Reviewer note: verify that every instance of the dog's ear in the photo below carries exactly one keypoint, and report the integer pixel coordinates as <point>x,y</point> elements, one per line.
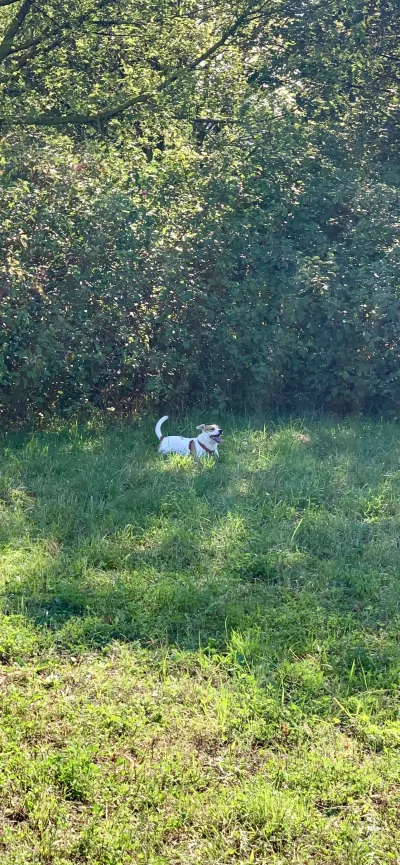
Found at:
<point>202,426</point>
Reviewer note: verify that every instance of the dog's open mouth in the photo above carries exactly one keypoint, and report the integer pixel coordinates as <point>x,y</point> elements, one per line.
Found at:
<point>217,438</point>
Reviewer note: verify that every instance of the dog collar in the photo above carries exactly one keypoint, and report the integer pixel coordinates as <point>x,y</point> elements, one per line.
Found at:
<point>207,450</point>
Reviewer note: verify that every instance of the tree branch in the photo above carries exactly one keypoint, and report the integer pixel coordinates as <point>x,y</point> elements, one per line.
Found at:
<point>7,2</point>
<point>110,112</point>
<point>22,61</point>
<point>10,34</point>
<point>55,31</point>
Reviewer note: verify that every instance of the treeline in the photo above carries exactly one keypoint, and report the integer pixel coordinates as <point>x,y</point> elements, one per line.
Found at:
<point>199,204</point>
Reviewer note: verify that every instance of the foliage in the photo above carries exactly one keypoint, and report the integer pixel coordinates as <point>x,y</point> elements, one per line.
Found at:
<point>61,66</point>
<point>200,661</point>
<point>231,239</point>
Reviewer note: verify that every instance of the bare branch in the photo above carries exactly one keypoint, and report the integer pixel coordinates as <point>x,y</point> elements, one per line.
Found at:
<point>7,2</point>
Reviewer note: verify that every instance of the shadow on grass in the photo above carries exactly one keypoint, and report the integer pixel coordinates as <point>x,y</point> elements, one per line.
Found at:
<point>286,547</point>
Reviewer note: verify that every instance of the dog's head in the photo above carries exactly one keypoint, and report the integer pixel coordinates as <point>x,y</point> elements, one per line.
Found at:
<point>211,434</point>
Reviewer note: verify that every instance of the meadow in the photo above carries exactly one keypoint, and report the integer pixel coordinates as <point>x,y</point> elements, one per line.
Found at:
<point>199,661</point>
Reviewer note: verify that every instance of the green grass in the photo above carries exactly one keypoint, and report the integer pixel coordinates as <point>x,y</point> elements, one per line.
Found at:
<point>199,662</point>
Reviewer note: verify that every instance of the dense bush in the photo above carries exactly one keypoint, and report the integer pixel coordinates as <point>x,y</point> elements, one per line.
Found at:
<point>181,285</point>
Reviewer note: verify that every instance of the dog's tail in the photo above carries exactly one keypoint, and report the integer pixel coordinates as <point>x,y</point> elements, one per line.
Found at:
<point>159,425</point>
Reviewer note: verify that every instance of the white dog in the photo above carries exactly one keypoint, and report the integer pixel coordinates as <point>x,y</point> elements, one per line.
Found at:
<point>205,443</point>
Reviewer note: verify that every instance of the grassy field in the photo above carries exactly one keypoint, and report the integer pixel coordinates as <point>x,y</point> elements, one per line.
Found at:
<point>199,662</point>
